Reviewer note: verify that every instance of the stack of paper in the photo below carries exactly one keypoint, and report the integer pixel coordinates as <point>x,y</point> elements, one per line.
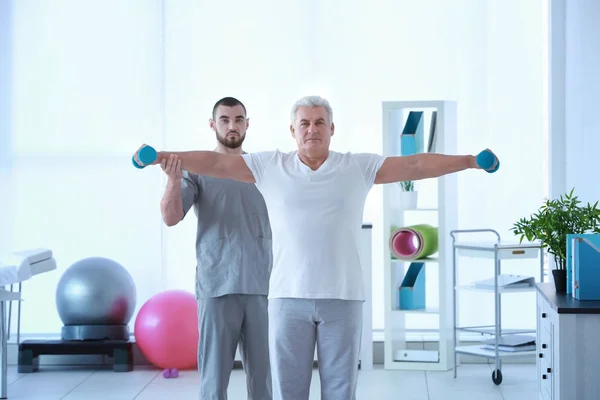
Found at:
<point>511,343</point>
<point>507,281</point>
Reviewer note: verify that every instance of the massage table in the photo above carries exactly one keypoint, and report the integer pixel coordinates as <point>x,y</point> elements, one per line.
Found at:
<point>15,269</point>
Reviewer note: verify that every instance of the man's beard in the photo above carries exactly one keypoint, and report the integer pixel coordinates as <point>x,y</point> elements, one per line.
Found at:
<point>232,142</point>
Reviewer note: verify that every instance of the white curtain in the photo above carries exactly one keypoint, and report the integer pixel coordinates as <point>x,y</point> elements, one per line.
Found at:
<point>93,80</point>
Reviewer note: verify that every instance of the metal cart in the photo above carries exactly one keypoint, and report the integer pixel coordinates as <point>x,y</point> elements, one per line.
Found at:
<point>496,251</point>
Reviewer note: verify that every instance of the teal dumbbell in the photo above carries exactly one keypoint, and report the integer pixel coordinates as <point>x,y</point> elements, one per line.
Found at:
<point>146,155</point>
<point>488,161</point>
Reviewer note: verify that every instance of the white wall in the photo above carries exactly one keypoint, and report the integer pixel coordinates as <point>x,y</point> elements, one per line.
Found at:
<point>575,88</point>
<point>91,82</point>
<point>6,204</point>
<point>366,54</point>
<point>85,92</point>
<point>510,118</point>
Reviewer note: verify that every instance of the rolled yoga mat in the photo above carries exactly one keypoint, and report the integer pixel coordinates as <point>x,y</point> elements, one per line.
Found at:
<point>414,242</point>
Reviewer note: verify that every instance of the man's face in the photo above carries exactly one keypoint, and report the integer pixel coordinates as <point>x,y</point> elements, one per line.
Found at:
<point>312,130</point>
<point>230,125</point>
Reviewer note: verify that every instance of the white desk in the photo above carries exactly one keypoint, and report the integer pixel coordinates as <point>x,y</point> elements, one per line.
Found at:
<point>568,346</point>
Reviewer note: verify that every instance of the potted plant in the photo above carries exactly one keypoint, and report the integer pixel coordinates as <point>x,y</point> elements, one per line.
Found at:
<point>553,222</point>
<point>408,195</point>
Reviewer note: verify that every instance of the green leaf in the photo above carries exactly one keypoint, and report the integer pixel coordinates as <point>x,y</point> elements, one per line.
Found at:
<point>554,220</point>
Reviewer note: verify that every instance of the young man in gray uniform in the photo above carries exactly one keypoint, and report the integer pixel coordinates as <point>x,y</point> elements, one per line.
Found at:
<point>234,261</point>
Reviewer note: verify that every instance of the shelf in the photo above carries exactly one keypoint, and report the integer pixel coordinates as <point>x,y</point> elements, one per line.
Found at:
<point>477,350</point>
<point>490,330</point>
<point>428,310</point>
<point>500,289</point>
<point>490,246</point>
<point>415,365</point>
<point>437,206</point>
<point>506,251</point>
<point>425,260</point>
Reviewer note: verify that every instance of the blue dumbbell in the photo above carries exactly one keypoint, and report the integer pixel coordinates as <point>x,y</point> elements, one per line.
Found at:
<point>146,155</point>
<point>488,161</point>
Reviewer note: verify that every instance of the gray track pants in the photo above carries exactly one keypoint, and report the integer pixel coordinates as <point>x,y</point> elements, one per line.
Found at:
<point>295,326</point>
<point>223,323</point>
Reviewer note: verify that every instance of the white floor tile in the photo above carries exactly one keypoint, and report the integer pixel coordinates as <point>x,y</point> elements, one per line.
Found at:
<point>472,382</point>
<point>381,384</point>
<point>518,382</point>
<point>79,383</point>
<point>49,383</point>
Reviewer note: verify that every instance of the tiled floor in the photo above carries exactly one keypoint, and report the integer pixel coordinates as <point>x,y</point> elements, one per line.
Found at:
<point>473,383</point>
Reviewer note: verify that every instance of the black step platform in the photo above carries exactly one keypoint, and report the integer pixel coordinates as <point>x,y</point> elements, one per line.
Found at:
<point>30,350</point>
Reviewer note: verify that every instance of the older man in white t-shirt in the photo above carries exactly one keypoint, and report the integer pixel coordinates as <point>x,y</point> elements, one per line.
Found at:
<point>315,199</point>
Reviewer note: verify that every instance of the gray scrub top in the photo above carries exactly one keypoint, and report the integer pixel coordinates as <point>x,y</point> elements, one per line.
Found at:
<point>233,239</point>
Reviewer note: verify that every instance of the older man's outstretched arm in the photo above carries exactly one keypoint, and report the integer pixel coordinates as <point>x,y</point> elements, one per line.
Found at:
<point>423,166</point>
<point>208,163</point>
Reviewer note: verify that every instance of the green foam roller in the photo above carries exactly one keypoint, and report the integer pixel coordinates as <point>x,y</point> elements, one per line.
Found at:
<point>413,242</point>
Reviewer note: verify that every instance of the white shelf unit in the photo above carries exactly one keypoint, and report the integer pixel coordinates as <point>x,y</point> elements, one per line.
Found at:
<point>437,206</point>
<point>495,251</point>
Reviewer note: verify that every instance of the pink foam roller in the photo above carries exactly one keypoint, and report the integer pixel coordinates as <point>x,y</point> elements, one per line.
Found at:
<point>405,243</point>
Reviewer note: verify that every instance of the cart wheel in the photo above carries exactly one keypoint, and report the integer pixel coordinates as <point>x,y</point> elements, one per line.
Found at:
<point>497,377</point>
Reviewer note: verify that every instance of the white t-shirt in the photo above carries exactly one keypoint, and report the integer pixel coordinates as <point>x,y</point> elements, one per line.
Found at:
<point>316,218</point>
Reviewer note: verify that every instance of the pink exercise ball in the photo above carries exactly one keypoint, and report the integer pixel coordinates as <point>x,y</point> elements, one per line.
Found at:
<point>166,330</point>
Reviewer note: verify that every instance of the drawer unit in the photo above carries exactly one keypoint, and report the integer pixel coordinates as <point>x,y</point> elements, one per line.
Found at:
<point>544,315</point>
<point>544,349</point>
<point>545,363</point>
<point>568,349</point>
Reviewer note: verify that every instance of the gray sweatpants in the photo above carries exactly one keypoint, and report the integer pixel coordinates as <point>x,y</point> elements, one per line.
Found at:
<point>223,323</point>
<point>295,326</point>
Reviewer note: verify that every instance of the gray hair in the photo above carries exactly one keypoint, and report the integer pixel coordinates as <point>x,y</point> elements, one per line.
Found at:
<point>311,101</point>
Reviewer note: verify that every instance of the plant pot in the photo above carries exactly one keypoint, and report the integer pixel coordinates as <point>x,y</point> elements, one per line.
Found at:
<point>408,200</point>
<point>560,280</point>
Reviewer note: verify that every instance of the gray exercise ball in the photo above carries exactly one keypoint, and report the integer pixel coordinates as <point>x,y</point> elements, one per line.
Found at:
<point>96,291</point>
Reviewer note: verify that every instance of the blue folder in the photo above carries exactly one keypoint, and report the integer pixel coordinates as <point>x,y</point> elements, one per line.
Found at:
<point>411,294</point>
<point>585,269</point>
<point>593,238</point>
<point>413,134</point>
